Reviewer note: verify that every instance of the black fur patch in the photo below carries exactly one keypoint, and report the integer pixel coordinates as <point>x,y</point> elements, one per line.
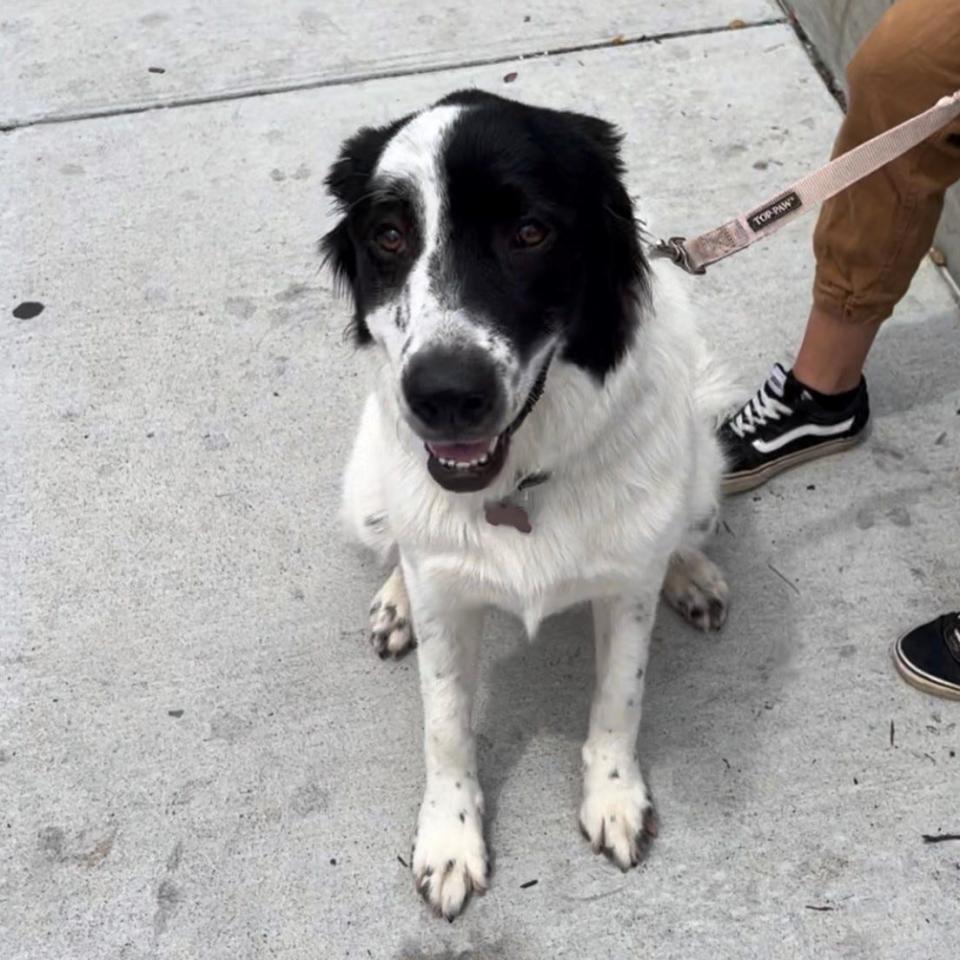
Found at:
<point>506,163</point>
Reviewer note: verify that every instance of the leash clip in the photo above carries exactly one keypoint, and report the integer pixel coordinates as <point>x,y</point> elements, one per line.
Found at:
<point>674,249</point>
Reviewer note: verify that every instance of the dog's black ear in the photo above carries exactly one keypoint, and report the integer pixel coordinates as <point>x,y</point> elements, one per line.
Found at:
<point>616,273</point>
<point>348,182</point>
<point>350,174</point>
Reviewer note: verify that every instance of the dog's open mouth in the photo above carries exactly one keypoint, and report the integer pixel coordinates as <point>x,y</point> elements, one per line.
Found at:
<point>467,467</point>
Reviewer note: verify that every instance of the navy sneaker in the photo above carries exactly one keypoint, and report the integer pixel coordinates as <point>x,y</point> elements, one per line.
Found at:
<point>928,657</point>
<point>784,424</point>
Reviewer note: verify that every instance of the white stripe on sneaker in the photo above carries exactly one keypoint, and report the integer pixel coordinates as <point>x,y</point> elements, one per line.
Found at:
<point>807,430</point>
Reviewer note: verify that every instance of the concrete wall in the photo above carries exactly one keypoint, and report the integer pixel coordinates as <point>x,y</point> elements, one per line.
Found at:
<point>835,27</point>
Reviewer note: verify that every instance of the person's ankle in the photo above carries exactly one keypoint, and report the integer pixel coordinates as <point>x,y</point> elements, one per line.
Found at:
<point>834,400</point>
<point>826,382</point>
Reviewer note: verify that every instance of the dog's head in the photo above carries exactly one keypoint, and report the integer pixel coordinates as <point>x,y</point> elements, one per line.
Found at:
<point>480,239</point>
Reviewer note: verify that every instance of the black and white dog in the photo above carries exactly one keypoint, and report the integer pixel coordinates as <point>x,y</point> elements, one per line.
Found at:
<point>540,434</point>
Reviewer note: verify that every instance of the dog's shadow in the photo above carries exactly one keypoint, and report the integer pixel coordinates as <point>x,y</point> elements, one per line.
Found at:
<point>704,704</point>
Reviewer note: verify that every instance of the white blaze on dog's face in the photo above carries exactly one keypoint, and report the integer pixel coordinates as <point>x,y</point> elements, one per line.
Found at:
<point>480,239</point>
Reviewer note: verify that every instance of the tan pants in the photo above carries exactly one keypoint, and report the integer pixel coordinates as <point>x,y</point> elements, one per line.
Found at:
<point>871,238</point>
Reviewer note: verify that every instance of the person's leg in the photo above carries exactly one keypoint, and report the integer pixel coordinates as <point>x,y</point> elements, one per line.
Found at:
<point>868,243</point>
<point>833,352</point>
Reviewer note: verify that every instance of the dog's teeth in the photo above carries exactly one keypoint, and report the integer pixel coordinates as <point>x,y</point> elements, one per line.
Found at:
<point>484,459</point>
<point>461,466</point>
<point>447,463</point>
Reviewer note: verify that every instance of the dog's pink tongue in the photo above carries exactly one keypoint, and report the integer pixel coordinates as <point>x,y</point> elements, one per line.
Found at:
<point>459,452</point>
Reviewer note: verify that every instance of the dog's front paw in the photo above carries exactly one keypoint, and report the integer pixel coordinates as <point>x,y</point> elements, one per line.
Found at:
<point>449,855</point>
<point>617,816</point>
<point>391,632</point>
<point>695,588</point>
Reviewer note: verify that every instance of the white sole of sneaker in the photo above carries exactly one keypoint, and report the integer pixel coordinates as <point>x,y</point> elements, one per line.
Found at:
<point>920,680</point>
<point>750,480</point>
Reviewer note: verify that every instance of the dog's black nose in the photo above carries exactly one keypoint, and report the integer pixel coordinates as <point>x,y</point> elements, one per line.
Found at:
<point>453,392</point>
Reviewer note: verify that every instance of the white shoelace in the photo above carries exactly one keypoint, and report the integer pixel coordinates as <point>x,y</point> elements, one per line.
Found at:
<point>765,405</point>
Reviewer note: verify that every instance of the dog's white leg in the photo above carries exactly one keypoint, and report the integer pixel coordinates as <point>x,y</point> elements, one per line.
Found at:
<point>450,857</point>
<point>694,586</point>
<point>617,816</point>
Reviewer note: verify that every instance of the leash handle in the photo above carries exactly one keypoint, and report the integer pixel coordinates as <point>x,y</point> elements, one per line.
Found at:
<point>694,256</point>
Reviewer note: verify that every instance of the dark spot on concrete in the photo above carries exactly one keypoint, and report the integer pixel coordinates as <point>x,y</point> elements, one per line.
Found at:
<point>228,726</point>
<point>176,855</point>
<point>72,169</point>
<point>333,861</point>
<point>169,898</point>
<point>302,172</point>
<point>309,798</point>
<point>156,69</point>
<point>457,784</point>
<point>240,307</point>
<point>848,650</point>
<point>510,77</point>
<point>639,673</point>
<point>277,175</point>
<point>631,702</point>
<point>901,517</point>
<point>150,434</point>
<point>760,165</point>
<point>28,310</point>
<point>298,594</point>
<point>614,774</point>
<point>941,440</point>
<point>294,292</point>
<point>463,816</point>
<point>215,441</point>
<point>526,19</point>
<point>50,841</point>
<point>153,19</point>
<point>176,714</point>
<point>886,450</point>
<point>864,519</point>
<point>613,818</point>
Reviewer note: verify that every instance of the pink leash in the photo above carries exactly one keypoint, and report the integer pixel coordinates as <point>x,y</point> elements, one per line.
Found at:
<point>807,194</point>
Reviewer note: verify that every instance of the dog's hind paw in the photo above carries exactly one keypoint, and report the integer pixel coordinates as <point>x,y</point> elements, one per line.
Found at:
<point>391,633</point>
<point>695,588</point>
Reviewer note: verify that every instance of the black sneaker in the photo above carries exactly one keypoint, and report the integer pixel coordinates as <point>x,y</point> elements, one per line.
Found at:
<point>928,657</point>
<point>783,425</point>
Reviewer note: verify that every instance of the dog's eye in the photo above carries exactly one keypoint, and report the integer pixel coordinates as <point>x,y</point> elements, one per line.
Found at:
<point>530,233</point>
<point>390,239</point>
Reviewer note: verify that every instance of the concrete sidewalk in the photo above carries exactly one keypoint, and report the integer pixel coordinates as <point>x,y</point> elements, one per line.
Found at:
<point>199,755</point>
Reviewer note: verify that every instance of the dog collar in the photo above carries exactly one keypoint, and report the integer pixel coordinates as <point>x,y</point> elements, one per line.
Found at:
<point>536,392</point>
<point>505,512</point>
